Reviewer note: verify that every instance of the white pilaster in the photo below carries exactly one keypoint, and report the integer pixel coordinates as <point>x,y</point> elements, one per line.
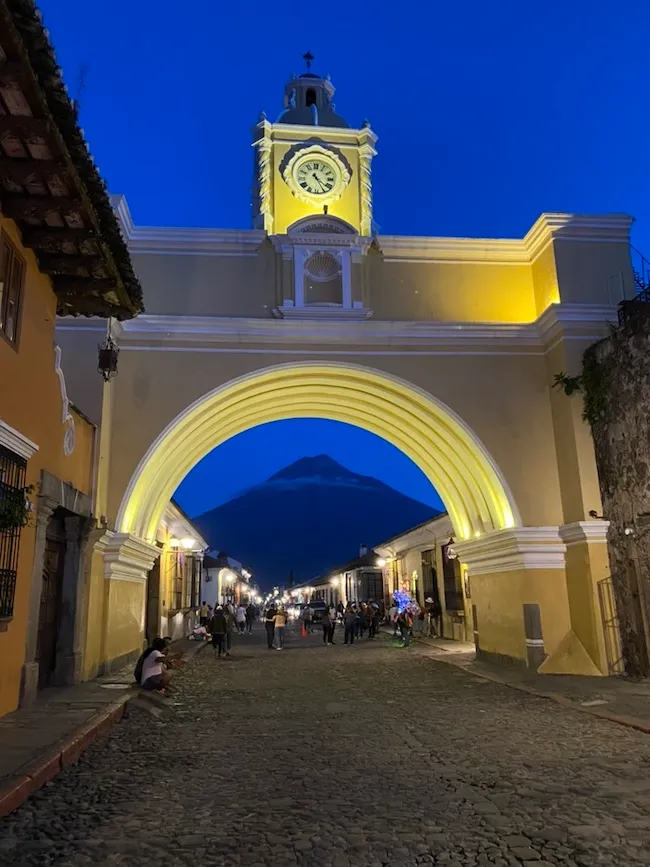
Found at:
<point>346,278</point>
<point>299,256</point>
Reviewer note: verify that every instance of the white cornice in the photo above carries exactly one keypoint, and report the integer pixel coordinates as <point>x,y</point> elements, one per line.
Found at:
<point>606,228</point>
<point>587,321</point>
<point>293,132</point>
<point>16,442</point>
<point>126,557</point>
<point>323,314</point>
<point>197,242</point>
<point>598,228</point>
<point>593,532</point>
<point>417,539</point>
<point>344,328</point>
<point>192,329</point>
<point>518,548</point>
<point>400,248</point>
<point>180,526</point>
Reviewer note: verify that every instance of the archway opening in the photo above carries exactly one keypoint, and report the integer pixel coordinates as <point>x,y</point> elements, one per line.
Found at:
<point>446,450</point>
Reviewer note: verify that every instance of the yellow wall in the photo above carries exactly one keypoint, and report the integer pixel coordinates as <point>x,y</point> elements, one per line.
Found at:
<point>96,617</point>
<point>124,605</point>
<point>30,402</point>
<point>499,600</point>
<point>449,291</point>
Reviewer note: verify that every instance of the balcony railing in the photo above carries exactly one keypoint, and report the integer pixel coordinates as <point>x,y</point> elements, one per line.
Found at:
<point>638,307</point>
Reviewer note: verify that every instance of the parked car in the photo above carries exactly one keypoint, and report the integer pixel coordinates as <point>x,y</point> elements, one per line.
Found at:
<point>317,606</point>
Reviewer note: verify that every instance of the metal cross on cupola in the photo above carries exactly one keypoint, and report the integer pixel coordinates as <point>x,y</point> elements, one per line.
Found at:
<point>308,58</point>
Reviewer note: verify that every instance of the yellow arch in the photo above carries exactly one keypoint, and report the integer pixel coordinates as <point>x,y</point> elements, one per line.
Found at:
<point>431,434</point>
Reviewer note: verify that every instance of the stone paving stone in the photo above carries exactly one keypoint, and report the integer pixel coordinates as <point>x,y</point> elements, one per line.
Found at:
<point>368,756</point>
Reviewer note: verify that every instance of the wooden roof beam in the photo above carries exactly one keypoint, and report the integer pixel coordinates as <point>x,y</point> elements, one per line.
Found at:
<point>21,171</point>
<point>72,284</point>
<point>23,125</point>
<point>55,263</point>
<point>44,236</point>
<point>19,206</point>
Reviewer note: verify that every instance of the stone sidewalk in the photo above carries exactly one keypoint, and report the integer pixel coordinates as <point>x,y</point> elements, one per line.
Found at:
<point>37,742</point>
<point>618,699</point>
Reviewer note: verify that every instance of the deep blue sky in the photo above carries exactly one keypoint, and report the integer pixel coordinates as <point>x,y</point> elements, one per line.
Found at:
<point>487,114</point>
<point>256,454</point>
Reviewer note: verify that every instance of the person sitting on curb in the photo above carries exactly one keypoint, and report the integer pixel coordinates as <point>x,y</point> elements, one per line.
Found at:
<point>155,674</point>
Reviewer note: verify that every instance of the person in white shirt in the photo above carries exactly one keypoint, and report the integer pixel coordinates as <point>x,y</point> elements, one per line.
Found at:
<point>155,674</point>
<point>240,617</point>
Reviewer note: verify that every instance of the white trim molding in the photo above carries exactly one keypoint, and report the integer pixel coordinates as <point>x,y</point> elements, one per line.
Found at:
<point>578,321</point>
<point>16,442</point>
<point>593,532</point>
<point>518,548</point>
<point>548,228</point>
<point>198,242</point>
<point>66,415</point>
<point>607,228</point>
<point>126,557</point>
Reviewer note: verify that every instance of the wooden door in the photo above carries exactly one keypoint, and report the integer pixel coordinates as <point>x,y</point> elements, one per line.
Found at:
<point>49,618</point>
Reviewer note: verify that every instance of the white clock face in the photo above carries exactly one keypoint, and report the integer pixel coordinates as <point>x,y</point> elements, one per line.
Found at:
<point>316,176</point>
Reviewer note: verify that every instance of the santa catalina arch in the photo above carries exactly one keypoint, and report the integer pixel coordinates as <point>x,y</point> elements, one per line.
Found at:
<point>446,347</point>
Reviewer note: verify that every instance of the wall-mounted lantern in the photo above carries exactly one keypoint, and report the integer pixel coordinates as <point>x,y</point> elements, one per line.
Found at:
<point>107,356</point>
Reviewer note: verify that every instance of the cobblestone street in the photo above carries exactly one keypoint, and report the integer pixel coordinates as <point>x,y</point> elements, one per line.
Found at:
<point>369,755</point>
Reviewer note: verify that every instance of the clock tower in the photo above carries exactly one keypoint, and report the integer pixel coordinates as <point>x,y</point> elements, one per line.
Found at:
<point>310,162</point>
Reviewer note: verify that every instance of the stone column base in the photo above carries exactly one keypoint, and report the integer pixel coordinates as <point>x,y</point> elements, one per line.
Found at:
<point>29,683</point>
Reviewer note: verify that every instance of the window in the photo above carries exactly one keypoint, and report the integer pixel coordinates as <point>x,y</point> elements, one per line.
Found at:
<point>12,483</point>
<point>310,97</point>
<point>12,273</point>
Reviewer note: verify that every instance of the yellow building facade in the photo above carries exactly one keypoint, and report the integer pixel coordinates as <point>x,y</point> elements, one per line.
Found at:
<point>445,347</point>
<point>61,252</point>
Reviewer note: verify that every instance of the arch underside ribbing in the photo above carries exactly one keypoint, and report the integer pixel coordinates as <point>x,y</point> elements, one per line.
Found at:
<point>427,431</point>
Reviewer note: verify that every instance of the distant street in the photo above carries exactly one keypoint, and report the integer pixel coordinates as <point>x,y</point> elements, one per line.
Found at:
<point>367,755</point>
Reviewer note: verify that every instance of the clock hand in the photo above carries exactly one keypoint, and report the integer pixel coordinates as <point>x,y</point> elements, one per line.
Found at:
<point>315,176</point>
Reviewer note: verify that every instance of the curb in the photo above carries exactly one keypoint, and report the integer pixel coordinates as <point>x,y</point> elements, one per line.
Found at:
<point>627,721</point>
<point>41,770</point>
<point>35,774</point>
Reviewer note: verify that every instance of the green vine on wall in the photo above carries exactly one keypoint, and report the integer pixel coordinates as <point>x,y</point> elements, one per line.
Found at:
<point>591,383</point>
<point>15,508</point>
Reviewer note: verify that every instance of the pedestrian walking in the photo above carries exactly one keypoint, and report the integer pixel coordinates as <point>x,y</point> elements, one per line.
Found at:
<point>333,619</point>
<point>280,622</point>
<point>327,625</point>
<point>350,624</point>
<point>434,614</point>
<point>373,619</point>
<point>307,615</point>
<point>219,630</point>
<point>230,620</point>
<point>405,625</point>
<point>250,617</point>
<point>203,614</point>
<point>269,624</point>
<point>392,618</point>
<point>240,617</point>
<point>361,621</point>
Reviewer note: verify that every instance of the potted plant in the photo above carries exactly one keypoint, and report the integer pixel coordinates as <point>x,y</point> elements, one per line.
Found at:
<point>15,508</point>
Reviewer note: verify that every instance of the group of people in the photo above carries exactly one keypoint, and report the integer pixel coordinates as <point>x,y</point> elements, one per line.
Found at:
<point>412,618</point>
<point>244,616</point>
<point>225,620</point>
<point>275,622</point>
<point>356,619</point>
